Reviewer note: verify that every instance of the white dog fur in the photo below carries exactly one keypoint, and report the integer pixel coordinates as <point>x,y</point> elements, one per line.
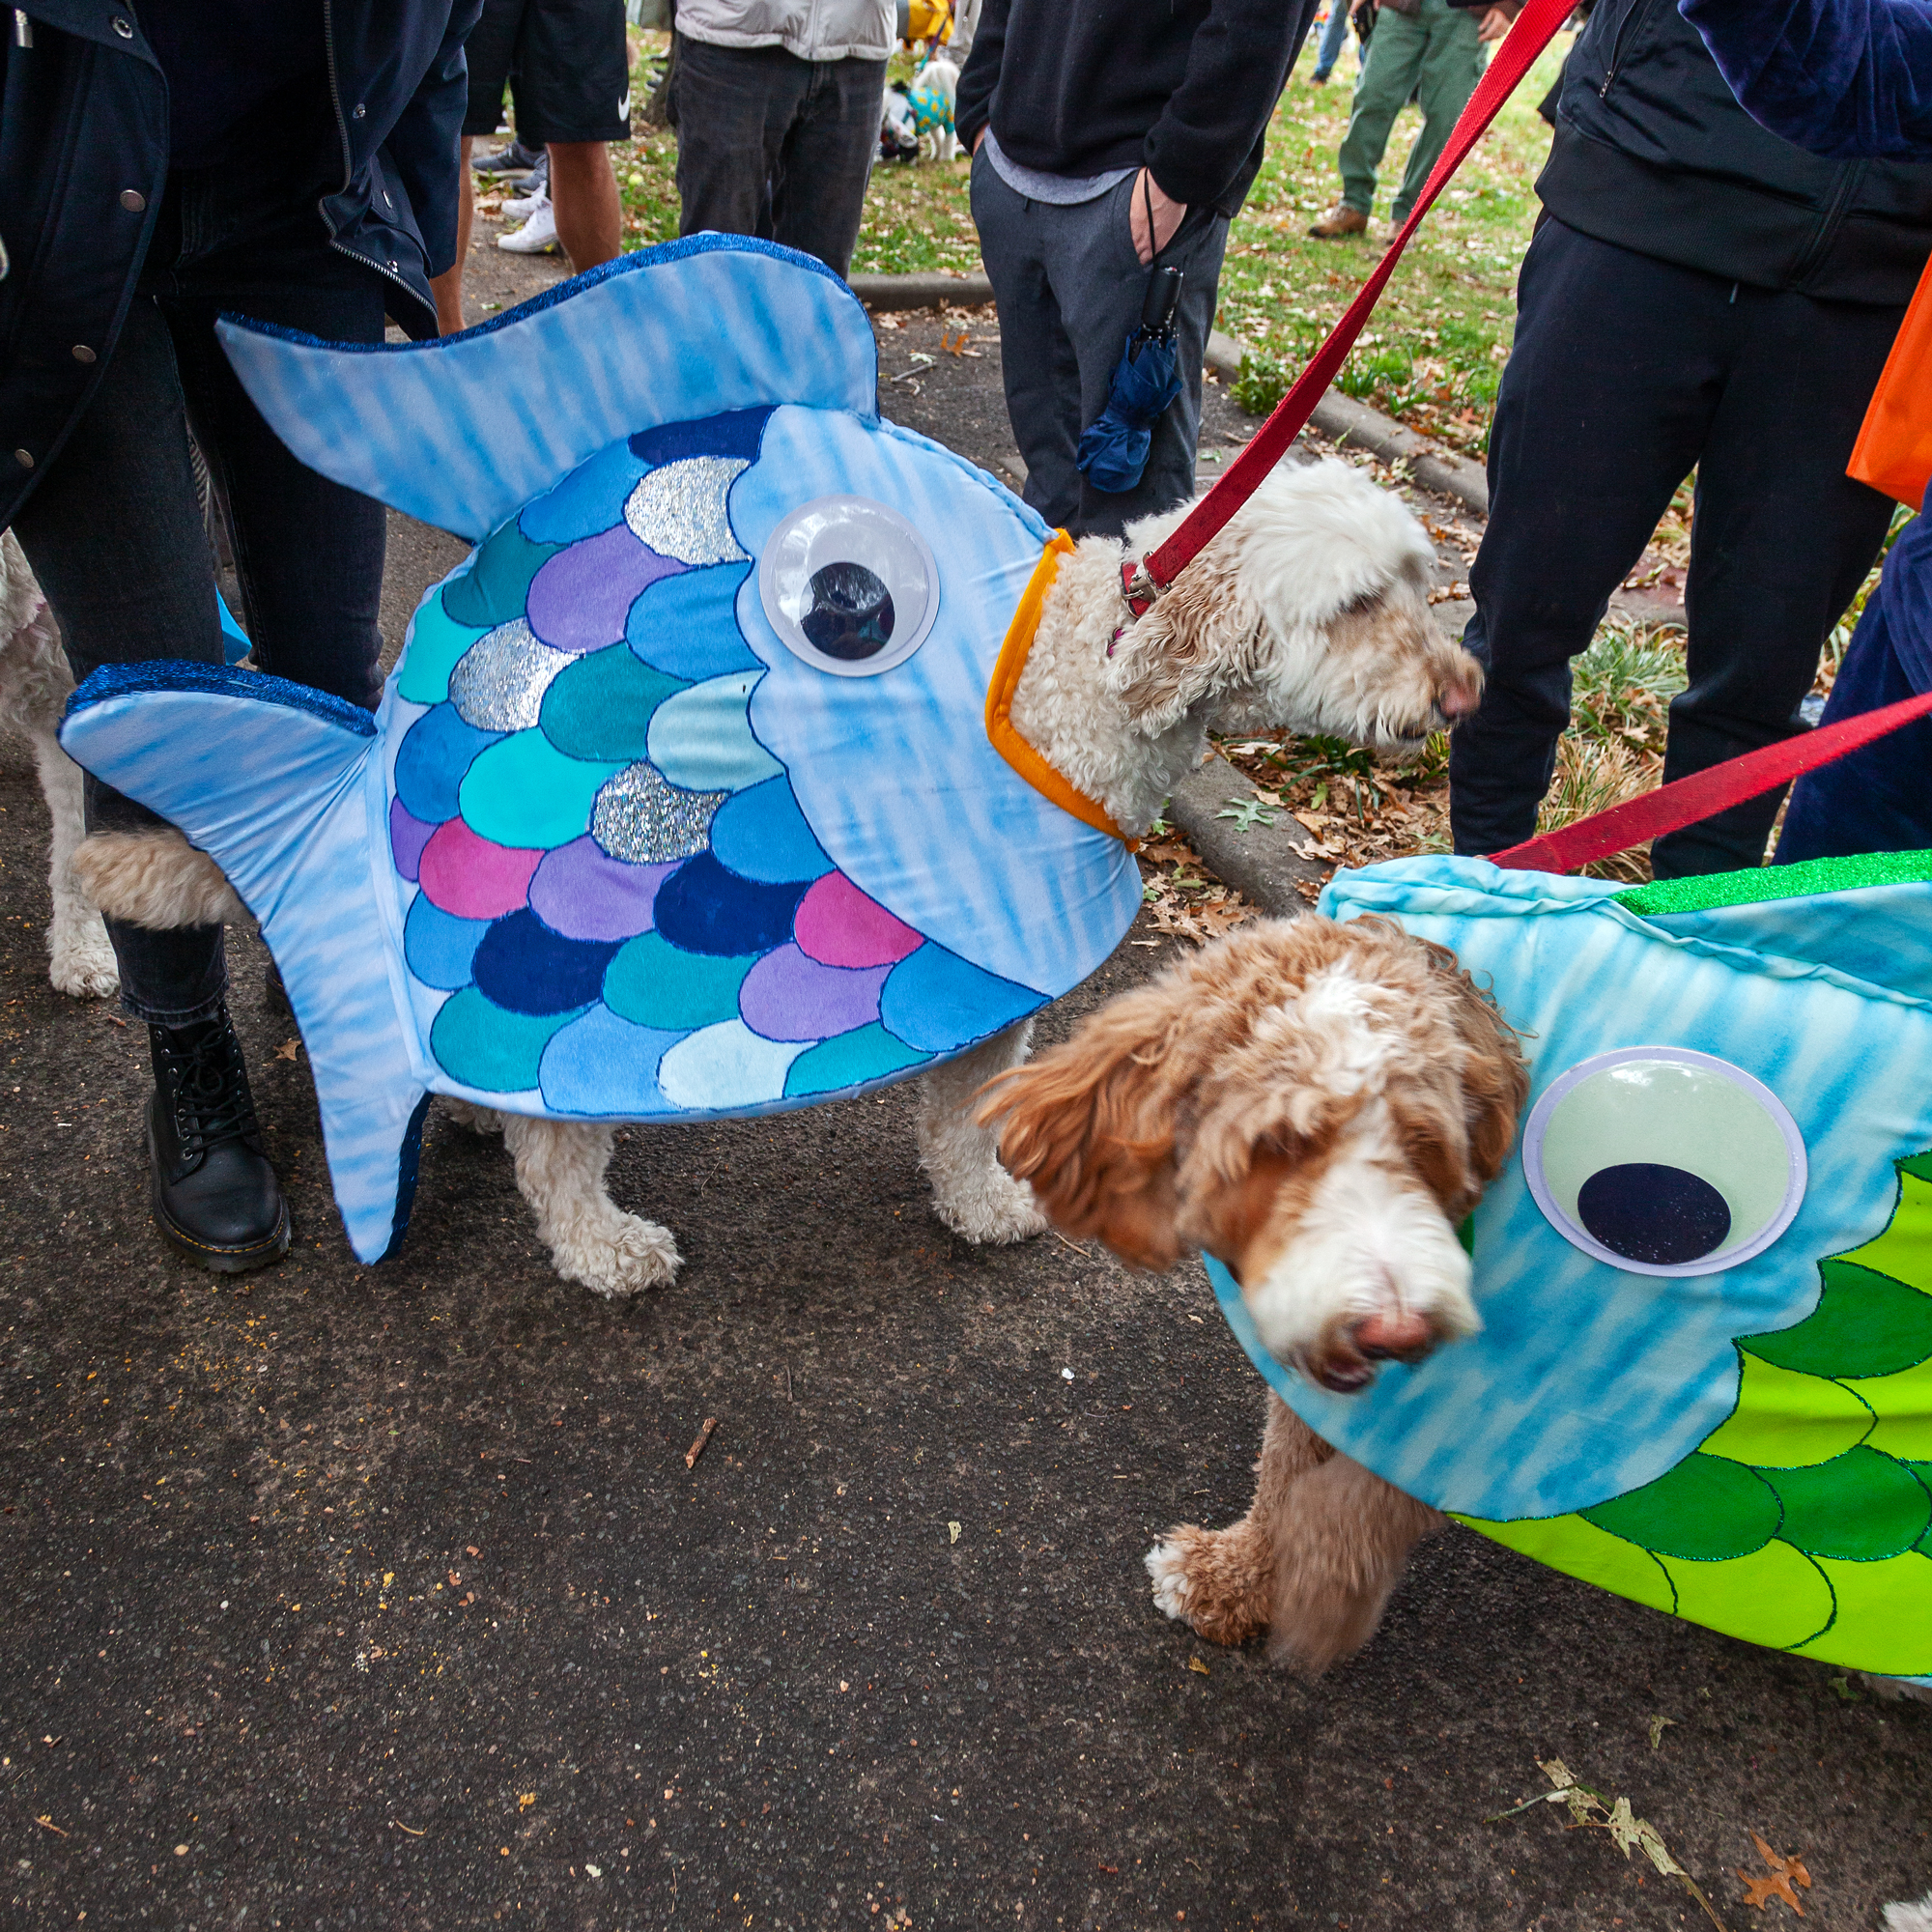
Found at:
<point>1308,613</point>
<point>35,684</point>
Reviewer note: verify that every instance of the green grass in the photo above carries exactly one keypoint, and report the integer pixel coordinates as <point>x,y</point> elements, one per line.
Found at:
<point>1433,350</point>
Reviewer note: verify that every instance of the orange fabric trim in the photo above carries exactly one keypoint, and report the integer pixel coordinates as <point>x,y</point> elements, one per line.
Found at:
<point>1894,452</point>
<point>1003,734</point>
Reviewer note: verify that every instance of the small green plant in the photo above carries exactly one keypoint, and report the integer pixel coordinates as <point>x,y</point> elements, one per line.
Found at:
<point>1261,385</point>
<point>1622,685</point>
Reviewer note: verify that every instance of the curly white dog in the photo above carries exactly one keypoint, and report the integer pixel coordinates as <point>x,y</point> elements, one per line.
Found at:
<point>1309,612</point>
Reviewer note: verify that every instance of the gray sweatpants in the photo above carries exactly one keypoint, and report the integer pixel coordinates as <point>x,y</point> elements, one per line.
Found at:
<point>1070,288</point>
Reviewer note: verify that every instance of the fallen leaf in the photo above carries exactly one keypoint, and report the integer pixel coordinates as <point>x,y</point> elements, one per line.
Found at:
<point>1759,1891</point>
<point>287,1049</point>
<point>952,1532</point>
<point>454,1579</point>
<point>524,1800</point>
<point>472,1549</point>
<point>1656,1725</point>
<point>1195,1663</point>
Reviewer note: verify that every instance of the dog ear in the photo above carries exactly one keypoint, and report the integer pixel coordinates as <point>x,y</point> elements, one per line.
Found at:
<point>1494,1077</point>
<point>1195,642</point>
<point>1090,1127</point>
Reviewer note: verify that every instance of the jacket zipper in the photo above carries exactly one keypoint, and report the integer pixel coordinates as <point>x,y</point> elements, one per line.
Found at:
<point>348,163</point>
<point>1828,222</point>
<point>1616,47</point>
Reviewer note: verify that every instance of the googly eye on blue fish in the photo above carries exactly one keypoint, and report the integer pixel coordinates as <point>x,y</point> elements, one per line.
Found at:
<point>679,803</point>
<point>1704,1379</point>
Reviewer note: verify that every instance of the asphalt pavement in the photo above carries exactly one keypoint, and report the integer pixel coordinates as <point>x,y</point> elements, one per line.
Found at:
<point>347,1597</point>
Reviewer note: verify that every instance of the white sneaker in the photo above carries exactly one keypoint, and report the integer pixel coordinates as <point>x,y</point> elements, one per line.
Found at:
<point>526,205</point>
<point>536,237</point>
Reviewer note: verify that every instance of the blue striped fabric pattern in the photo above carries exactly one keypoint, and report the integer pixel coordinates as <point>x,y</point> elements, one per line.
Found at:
<point>1589,1381</point>
<point>279,794</point>
<point>464,431</point>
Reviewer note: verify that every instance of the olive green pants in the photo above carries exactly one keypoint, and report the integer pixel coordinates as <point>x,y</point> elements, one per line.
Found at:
<point>1434,54</point>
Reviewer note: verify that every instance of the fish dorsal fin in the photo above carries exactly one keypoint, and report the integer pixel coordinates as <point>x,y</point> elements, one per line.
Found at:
<point>464,431</point>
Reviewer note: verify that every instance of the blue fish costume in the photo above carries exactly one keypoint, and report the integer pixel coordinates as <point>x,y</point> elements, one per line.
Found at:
<point>680,802</point>
<point>1704,1379</point>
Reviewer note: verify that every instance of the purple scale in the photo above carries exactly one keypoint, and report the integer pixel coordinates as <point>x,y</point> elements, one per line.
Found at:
<point>579,599</point>
<point>407,835</point>
<point>787,996</point>
<point>583,893</point>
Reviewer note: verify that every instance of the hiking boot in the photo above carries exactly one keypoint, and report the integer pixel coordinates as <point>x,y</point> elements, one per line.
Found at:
<point>1339,220</point>
<point>217,1200</point>
<point>515,159</point>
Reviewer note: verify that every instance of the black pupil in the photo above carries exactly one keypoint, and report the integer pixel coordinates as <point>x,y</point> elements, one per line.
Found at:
<point>1659,1215</point>
<point>851,613</point>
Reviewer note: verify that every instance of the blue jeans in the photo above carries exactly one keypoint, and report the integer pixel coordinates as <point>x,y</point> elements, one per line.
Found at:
<point>114,529</point>
<point>1334,32</point>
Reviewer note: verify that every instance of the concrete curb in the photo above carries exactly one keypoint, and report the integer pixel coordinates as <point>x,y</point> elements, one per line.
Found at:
<point>1343,419</point>
<point>898,292</point>
<point>1260,864</point>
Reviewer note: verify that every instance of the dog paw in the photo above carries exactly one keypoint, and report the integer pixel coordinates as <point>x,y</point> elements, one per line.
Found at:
<point>82,965</point>
<point>1167,1564</point>
<point>1203,1579</point>
<point>632,1255</point>
<point>994,1210</point>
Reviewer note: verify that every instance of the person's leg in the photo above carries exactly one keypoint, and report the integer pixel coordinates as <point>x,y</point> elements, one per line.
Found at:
<point>115,535</point>
<point>1452,64</point>
<point>490,51</point>
<point>1334,32</point>
<point>574,97</point>
<point>583,192</point>
<point>818,198</point>
<point>1100,286</point>
<point>735,107</point>
<point>1778,548</point>
<point>1390,70</point>
<point>1037,363</point>
<point>1616,371</point>
<point>1878,799</point>
<point>447,287</point>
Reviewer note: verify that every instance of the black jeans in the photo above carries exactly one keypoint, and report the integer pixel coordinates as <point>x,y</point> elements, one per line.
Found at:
<point>1626,374</point>
<point>1069,289</point>
<point>778,146</point>
<point>114,531</point>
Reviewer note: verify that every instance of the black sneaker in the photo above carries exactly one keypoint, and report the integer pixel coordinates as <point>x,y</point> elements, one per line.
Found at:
<point>216,1199</point>
<point>515,159</point>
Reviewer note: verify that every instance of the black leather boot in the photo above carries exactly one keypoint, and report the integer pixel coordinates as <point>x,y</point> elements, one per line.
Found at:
<point>216,1199</point>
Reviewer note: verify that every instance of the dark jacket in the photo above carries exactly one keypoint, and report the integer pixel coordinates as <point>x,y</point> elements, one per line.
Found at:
<point>1652,152</point>
<point>1183,88</point>
<point>84,160</point>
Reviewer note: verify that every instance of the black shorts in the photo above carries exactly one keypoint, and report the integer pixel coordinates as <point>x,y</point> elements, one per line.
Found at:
<point>566,62</point>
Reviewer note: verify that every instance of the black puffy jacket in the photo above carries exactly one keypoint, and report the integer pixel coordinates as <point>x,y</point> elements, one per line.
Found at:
<point>1654,154</point>
<point>84,159</point>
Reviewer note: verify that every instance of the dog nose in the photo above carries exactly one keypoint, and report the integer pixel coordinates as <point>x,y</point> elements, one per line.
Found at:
<point>1397,1337</point>
<point>1459,700</point>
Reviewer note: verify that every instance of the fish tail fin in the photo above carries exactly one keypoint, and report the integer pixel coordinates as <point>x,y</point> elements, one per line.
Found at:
<point>270,780</point>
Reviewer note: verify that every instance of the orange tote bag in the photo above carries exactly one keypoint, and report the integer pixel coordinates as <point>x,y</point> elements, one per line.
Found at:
<point>1894,452</point>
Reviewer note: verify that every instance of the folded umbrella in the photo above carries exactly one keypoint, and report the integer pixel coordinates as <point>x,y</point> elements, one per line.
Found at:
<point>1114,447</point>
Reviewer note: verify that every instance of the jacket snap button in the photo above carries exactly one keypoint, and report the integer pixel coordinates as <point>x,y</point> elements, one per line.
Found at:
<point>360,110</point>
<point>24,457</point>
<point>133,200</point>
<point>123,27</point>
<point>82,353</point>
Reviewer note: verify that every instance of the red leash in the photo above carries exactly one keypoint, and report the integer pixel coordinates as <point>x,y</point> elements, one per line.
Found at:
<point>1144,580</point>
<point>1673,807</point>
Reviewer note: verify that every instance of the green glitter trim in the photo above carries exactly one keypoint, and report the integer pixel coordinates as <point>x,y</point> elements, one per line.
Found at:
<point>1761,883</point>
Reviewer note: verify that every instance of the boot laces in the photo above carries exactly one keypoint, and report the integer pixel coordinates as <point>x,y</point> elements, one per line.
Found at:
<point>212,1100</point>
